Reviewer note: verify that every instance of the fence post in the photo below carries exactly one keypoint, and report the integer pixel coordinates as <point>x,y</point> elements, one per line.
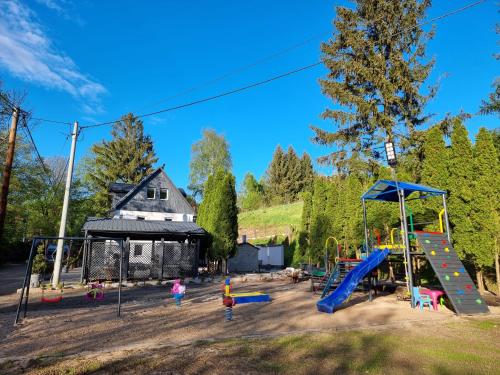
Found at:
<point>162,256</point>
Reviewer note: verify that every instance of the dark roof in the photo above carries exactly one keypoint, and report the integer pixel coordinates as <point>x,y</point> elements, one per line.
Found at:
<point>386,190</point>
<point>142,226</point>
<point>180,204</point>
<point>119,187</point>
<point>247,243</point>
<point>137,187</point>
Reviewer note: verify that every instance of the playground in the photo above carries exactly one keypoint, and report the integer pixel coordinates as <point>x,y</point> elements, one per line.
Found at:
<point>82,328</point>
<point>53,336</point>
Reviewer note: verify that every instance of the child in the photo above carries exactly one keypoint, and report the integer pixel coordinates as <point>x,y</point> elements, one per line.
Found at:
<point>178,291</point>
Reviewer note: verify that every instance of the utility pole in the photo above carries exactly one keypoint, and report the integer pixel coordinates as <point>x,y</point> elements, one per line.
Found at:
<point>8,168</point>
<point>64,214</point>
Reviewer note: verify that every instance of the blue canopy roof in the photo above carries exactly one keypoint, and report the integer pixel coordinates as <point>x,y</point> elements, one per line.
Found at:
<point>386,190</point>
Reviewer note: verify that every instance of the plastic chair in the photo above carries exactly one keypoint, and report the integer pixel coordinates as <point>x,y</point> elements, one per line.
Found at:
<point>421,299</point>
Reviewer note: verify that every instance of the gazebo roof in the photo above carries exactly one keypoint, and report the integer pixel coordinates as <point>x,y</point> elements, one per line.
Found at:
<point>386,190</point>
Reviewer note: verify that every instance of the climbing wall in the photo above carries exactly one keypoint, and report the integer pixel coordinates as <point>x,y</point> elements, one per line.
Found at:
<point>450,271</point>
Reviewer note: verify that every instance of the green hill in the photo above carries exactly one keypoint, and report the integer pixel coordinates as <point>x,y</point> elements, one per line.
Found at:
<point>270,221</point>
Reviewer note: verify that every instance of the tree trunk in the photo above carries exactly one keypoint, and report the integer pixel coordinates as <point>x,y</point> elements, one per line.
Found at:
<point>480,281</point>
<point>497,269</point>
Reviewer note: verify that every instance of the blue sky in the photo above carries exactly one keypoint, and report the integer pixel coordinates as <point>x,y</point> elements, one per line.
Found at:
<point>94,61</point>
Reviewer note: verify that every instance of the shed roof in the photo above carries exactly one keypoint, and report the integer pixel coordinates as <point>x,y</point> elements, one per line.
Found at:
<point>103,225</point>
<point>386,190</point>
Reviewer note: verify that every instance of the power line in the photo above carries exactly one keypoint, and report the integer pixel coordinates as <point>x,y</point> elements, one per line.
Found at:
<point>51,121</point>
<point>238,70</point>
<point>39,157</point>
<point>300,69</point>
<point>210,98</point>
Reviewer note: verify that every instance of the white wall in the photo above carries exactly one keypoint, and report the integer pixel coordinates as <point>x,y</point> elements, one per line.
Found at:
<point>272,255</point>
<point>126,214</point>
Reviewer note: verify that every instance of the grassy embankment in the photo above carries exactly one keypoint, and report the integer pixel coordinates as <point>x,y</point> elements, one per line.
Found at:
<point>272,224</point>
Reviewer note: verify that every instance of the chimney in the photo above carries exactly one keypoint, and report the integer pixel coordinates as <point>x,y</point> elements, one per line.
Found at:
<point>243,238</point>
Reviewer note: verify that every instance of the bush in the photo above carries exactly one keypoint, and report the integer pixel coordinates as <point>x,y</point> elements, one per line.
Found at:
<point>39,262</point>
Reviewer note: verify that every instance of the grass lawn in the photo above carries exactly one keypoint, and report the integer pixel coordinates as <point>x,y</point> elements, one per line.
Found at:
<point>465,346</point>
<point>286,214</point>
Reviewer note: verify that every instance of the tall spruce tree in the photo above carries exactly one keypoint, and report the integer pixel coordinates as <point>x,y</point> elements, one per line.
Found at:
<point>276,174</point>
<point>375,75</point>
<point>485,205</point>
<point>292,181</point>
<point>307,172</point>
<point>128,157</point>
<point>320,227</point>
<point>461,184</point>
<point>251,196</point>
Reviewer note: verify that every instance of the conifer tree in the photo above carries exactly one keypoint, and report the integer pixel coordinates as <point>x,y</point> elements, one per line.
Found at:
<point>218,214</point>
<point>128,157</point>
<point>307,172</point>
<point>434,171</point>
<point>485,204</point>
<point>292,181</point>
<point>461,180</point>
<point>375,74</point>
<point>320,227</point>
<point>276,174</point>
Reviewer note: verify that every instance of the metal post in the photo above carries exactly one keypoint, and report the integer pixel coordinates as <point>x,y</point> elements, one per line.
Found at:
<point>8,168</point>
<point>162,257</point>
<point>64,214</point>
<point>120,281</point>
<point>446,220</point>
<point>407,247</point>
<point>84,257</point>
<point>26,283</point>
<point>365,225</point>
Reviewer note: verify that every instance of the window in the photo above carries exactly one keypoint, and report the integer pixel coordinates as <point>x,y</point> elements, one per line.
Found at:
<point>168,219</point>
<point>164,194</point>
<point>141,218</point>
<point>137,250</point>
<point>151,193</point>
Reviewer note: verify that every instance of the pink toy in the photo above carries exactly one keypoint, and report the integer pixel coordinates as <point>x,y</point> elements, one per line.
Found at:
<point>175,287</point>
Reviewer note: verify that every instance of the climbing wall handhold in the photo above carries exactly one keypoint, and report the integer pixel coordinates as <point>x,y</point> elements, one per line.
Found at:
<point>446,277</point>
<point>446,249</point>
<point>460,292</point>
<point>468,286</point>
<point>443,242</point>
<point>461,269</point>
<point>478,301</point>
<point>427,241</point>
<point>456,274</point>
<point>444,265</point>
<point>433,252</point>
<point>459,301</point>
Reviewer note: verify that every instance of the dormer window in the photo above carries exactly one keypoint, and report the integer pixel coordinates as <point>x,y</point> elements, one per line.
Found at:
<point>164,194</point>
<point>151,193</point>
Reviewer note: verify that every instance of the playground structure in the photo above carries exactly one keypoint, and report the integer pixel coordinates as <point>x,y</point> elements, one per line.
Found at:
<point>435,246</point>
<point>230,299</point>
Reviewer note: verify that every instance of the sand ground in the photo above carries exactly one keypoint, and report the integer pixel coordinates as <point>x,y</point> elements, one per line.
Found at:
<point>150,320</point>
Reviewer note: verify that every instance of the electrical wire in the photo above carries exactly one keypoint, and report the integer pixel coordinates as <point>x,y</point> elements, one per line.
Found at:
<point>35,148</point>
<point>289,73</point>
<point>210,98</point>
<point>259,83</point>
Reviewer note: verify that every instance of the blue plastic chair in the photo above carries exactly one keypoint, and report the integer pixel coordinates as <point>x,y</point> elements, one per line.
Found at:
<point>421,299</point>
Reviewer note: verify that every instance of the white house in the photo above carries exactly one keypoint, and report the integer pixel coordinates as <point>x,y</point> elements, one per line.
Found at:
<point>157,223</point>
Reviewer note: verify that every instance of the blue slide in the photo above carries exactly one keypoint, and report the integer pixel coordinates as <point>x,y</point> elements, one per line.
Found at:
<point>351,281</point>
